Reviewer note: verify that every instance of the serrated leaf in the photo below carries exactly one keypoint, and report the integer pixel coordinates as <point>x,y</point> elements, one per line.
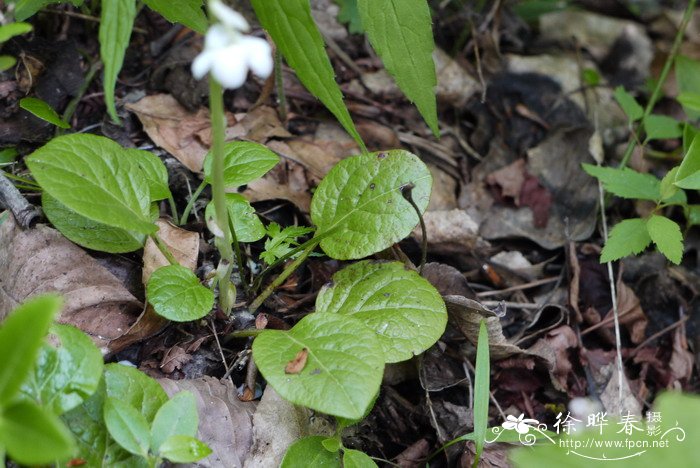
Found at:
<point>309,451</point>
<point>177,417</point>
<point>361,204</point>
<point>243,163</point>
<point>88,233</point>
<point>7,62</point>
<point>690,101</point>
<point>687,72</point>
<point>356,459</point>
<point>92,176</point>
<point>155,172</point>
<point>127,426</point>
<point>33,436</point>
<point>248,226</point>
<point>625,182</point>
<point>116,23</point>
<point>405,311</point>
<point>21,336</point>
<point>688,175</point>
<point>184,449</point>
<point>8,31</point>
<point>626,238</point>
<point>667,189</point>
<point>42,110</point>
<point>629,104</point>
<point>135,388</point>
<point>667,236</point>
<point>343,370</point>
<point>65,374</point>
<point>401,33</point>
<point>176,294</point>
<point>661,127</point>
<point>186,12</point>
<point>292,27</point>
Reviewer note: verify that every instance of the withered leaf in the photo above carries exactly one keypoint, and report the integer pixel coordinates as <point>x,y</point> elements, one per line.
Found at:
<point>297,364</point>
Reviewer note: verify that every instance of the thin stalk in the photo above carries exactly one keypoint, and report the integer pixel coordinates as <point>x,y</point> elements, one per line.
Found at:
<point>239,257</point>
<point>21,180</point>
<point>662,78</point>
<point>164,249</point>
<point>173,208</point>
<point>245,333</point>
<point>279,84</point>
<point>218,125</point>
<point>190,203</point>
<point>407,193</point>
<point>255,305</point>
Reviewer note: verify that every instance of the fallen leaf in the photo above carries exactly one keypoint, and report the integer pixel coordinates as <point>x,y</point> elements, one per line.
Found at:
<point>450,232</point>
<point>41,260</point>
<point>183,244</point>
<point>538,199</point>
<point>682,362</point>
<point>554,348</point>
<point>174,359</point>
<point>630,312</point>
<point>286,181</point>
<point>510,179</point>
<point>297,364</point>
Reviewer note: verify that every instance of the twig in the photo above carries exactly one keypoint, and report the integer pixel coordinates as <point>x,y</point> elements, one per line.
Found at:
<point>519,287</point>
<point>24,212</point>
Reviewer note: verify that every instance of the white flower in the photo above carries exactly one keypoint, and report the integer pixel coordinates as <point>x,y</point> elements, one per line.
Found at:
<point>228,54</point>
<point>520,424</point>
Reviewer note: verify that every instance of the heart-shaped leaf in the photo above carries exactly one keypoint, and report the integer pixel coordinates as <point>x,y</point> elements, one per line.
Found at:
<point>248,226</point>
<point>359,205</point>
<point>243,162</point>
<point>88,233</point>
<point>176,294</point>
<point>343,370</point>
<point>92,176</point>
<point>406,312</point>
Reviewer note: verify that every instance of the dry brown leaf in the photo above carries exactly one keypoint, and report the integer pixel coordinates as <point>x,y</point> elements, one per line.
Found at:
<point>297,364</point>
<point>183,244</point>
<point>510,179</point>
<point>260,124</point>
<point>554,348</point>
<point>225,422</point>
<point>630,312</point>
<point>682,361</point>
<point>286,181</point>
<point>611,395</point>
<point>41,260</point>
<point>174,359</point>
<point>450,232</point>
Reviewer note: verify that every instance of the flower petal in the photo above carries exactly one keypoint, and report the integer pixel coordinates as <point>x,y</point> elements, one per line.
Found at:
<point>228,16</point>
<point>522,428</point>
<point>259,55</point>
<point>509,425</point>
<point>202,64</point>
<point>230,68</point>
<point>218,37</point>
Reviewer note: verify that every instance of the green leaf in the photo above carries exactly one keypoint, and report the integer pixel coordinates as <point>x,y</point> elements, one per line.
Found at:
<point>687,72</point>
<point>688,175</point>
<point>66,373</point>
<point>88,233</point>
<point>693,214</point>
<point>343,369</point>
<point>280,241</point>
<point>33,436</point>
<point>187,12</point>
<point>482,377</point>
<point>243,163</point>
<point>667,189</point>
<point>26,8</point>
<point>94,177</point>
<point>690,101</point>
<point>661,127</point>
<point>184,449</point>
<point>331,444</point>
<point>127,426</point>
<point>401,33</point>
<point>135,388</point>
<point>626,183</point>
<point>626,238</point>
<point>629,104</point>
<point>8,155</point>
<point>42,110</point>
<point>155,172</point>
<point>309,451</point>
<point>176,294</point>
<point>667,236</point>
<point>8,31</point>
<point>405,311</point>
<point>356,459</point>
<point>292,27</point>
<point>116,23</point>
<point>590,76</point>
<point>350,15</point>
<point>7,62</point>
<point>177,417</point>
<point>21,336</point>
<point>359,206</point>
<point>248,226</point>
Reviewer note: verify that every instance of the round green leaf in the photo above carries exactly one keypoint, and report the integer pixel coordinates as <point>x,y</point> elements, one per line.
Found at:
<point>406,312</point>
<point>127,426</point>
<point>65,374</point>
<point>176,417</point>
<point>243,162</point>
<point>155,172</point>
<point>343,368</point>
<point>357,459</point>
<point>88,233</point>
<point>135,388</point>
<point>248,226</point>
<point>184,449</point>
<point>309,451</point>
<point>92,176</point>
<point>361,204</point>
<point>176,294</point>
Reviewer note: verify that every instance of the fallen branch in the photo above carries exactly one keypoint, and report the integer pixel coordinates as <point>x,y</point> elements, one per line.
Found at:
<point>24,212</point>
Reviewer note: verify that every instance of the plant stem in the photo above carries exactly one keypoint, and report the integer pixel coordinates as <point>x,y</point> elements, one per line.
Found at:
<point>255,305</point>
<point>218,125</point>
<point>662,78</point>
<point>190,203</point>
<point>239,256</point>
<point>164,249</point>
<point>173,208</point>
<point>245,333</point>
<point>279,84</point>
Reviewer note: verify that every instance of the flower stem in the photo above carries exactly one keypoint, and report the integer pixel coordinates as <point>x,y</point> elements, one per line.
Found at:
<point>164,249</point>
<point>218,125</point>
<point>190,203</point>
<point>279,83</point>
<point>173,208</point>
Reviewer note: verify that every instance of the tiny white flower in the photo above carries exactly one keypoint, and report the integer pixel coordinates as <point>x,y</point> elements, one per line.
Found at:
<point>228,54</point>
<point>520,424</point>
